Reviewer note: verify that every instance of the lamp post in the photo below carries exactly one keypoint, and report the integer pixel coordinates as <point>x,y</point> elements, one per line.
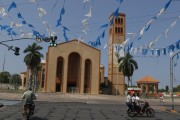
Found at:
<point>171,78</point>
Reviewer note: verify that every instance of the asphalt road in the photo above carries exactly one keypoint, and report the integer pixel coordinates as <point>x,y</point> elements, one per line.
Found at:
<point>80,111</point>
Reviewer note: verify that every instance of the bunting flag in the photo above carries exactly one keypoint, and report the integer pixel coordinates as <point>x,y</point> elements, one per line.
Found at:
<point>24,22</point>
<point>158,52</point>
<point>62,12</point>
<point>2,11</point>
<point>104,26</point>
<point>116,13</point>
<point>13,5</point>
<point>20,16</point>
<point>89,14</point>
<point>85,1</point>
<point>147,26</point>
<point>41,11</point>
<point>65,29</point>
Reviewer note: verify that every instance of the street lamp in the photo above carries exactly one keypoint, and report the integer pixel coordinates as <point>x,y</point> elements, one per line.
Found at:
<point>171,78</point>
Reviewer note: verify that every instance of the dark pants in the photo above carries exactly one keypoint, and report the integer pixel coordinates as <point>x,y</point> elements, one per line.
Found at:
<point>130,106</point>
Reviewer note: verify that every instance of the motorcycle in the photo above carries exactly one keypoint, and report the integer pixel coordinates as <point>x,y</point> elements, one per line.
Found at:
<point>28,110</point>
<point>137,110</point>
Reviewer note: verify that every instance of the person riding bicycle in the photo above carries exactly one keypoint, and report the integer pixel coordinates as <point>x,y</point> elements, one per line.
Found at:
<point>29,96</point>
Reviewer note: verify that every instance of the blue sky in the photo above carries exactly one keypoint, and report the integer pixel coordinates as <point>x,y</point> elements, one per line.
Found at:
<point>138,13</point>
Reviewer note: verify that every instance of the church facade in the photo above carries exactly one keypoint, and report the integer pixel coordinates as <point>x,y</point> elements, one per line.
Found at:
<point>70,67</point>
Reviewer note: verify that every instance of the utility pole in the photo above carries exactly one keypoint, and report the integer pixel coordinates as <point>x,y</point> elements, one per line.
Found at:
<point>4,63</point>
<point>171,78</point>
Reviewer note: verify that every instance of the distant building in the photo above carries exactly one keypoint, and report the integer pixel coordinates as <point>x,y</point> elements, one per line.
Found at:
<point>148,84</point>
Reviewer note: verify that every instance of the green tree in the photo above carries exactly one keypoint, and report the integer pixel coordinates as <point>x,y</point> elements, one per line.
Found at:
<point>4,77</point>
<point>32,60</point>
<point>127,65</point>
<point>178,88</point>
<point>15,80</point>
<point>37,69</point>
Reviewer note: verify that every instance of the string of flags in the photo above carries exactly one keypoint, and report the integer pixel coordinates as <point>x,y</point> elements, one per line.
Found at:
<point>147,26</point>
<point>105,26</point>
<point>24,22</point>
<point>153,51</point>
<point>42,12</point>
<point>85,22</point>
<point>65,29</point>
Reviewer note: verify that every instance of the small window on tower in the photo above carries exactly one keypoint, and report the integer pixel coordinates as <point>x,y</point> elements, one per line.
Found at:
<point>118,30</point>
<point>119,21</point>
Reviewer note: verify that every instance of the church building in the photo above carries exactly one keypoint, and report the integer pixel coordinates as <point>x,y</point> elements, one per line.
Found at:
<point>74,66</point>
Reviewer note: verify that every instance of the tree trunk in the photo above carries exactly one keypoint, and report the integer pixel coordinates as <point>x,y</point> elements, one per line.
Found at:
<point>128,81</point>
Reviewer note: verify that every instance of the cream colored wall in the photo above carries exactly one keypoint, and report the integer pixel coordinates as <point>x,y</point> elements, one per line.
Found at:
<point>64,50</point>
<point>102,74</point>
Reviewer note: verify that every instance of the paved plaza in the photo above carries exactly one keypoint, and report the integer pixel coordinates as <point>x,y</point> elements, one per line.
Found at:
<point>82,107</point>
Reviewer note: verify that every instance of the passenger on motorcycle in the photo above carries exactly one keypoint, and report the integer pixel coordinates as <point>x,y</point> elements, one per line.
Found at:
<point>137,103</point>
<point>29,96</point>
<point>128,100</point>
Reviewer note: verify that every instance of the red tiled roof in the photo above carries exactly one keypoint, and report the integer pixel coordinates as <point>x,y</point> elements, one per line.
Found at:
<point>147,79</point>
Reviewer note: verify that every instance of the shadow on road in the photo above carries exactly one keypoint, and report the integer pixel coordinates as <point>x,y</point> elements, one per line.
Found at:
<point>37,118</point>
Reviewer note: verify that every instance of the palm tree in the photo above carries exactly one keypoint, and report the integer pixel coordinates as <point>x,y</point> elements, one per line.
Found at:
<point>37,69</point>
<point>127,65</point>
<point>33,59</point>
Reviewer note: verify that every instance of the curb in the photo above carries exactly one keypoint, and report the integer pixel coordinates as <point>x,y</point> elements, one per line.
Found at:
<point>169,110</point>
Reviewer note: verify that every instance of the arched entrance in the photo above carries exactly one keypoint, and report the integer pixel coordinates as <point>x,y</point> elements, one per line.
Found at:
<point>73,79</point>
<point>59,74</point>
<point>87,76</point>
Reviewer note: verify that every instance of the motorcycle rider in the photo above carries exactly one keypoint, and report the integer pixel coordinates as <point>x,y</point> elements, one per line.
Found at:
<point>29,96</point>
<point>128,100</point>
<point>134,103</point>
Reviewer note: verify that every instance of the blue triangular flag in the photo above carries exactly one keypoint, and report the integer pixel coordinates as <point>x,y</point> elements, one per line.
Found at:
<point>116,13</point>
<point>30,25</point>
<point>9,29</point>
<point>62,11</point>
<point>103,34</point>
<point>58,22</point>
<point>158,52</point>
<point>24,22</point>
<point>19,15</point>
<point>167,5</point>
<point>144,51</point>
<point>13,33</point>
<point>98,41</point>
<point>4,27</point>
<point>13,5</point>
<point>104,26</point>
<point>152,51</point>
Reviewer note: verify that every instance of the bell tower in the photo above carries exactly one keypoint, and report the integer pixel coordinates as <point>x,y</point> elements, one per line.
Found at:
<point>117,33</point>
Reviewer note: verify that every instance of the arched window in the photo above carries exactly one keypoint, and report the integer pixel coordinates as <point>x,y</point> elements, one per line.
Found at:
<point>87,76</point>
<point>59,74</point>
<point>73,81</point>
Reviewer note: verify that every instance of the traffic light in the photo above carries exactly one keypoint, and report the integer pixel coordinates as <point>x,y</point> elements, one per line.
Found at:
<point>17,51</point>
<point>53,41</point>
<point>38,39</point>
